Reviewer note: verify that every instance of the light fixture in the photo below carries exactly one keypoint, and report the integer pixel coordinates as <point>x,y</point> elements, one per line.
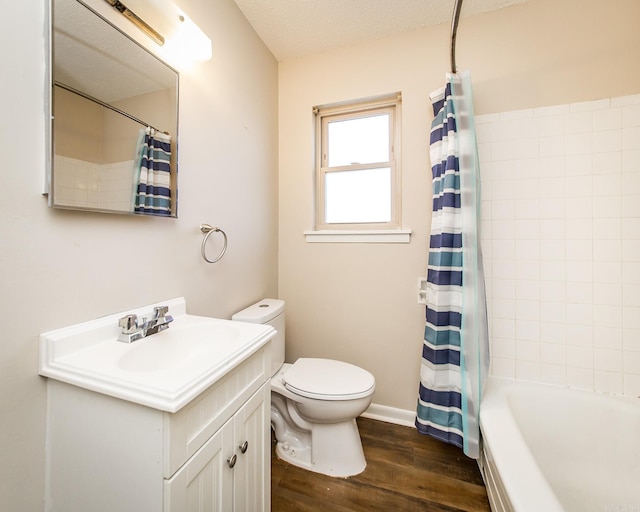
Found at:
<point>186,42</point>
<point>136,20</point>
<point>180,41</point>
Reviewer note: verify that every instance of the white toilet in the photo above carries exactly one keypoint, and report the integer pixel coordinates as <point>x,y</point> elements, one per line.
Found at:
<point>314,403</point>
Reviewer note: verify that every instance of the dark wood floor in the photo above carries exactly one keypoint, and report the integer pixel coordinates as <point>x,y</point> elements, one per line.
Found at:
<point>406,471</point>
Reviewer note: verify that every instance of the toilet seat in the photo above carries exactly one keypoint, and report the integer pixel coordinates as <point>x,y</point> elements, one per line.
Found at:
<point>327,379</point>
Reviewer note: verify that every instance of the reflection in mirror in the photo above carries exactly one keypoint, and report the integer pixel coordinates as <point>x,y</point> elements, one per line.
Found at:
<point>115,119</point>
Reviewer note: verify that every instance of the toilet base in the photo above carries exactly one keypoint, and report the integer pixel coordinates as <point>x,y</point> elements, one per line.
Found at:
<point>336,450</point>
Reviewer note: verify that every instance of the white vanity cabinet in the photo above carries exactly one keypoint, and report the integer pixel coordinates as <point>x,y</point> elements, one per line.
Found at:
<point>228,472</point>
<point>105,454</point>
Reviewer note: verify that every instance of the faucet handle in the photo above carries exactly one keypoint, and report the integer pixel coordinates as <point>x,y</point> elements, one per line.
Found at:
<point>129,323</point>
<point>160,311</point>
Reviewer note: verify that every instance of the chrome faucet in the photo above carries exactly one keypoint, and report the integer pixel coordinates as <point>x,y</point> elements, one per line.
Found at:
<point>133,330</point>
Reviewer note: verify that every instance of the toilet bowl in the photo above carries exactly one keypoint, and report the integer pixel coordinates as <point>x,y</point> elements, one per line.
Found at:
<point>314,403</point>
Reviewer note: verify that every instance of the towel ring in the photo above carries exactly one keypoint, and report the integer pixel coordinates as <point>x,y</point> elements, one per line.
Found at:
<point>206,228</point>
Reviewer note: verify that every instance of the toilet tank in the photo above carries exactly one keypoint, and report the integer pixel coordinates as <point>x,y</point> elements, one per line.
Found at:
<point>271,312</point>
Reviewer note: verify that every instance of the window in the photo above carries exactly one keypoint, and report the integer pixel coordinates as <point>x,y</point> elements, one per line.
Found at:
<point>358,165</point>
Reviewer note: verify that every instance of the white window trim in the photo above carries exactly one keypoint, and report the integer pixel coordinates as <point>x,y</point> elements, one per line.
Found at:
<point>390,232</point>
<point>388,236</point>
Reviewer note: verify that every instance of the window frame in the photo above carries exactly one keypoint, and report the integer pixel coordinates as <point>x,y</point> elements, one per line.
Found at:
<point>388,104</point>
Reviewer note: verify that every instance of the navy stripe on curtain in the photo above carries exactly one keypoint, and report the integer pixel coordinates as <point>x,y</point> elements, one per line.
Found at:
<point>440,356</point>
<point>444,240</point>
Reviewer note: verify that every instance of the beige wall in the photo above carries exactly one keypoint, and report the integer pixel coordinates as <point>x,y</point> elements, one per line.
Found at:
<point>86,131</point>
<point>120,131</point>
<point>60,267</point>
<point>357,302</point>
<point>79,127</point>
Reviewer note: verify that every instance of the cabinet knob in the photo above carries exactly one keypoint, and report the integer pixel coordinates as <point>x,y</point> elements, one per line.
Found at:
<point>243,447</point>
<point>232,460</point>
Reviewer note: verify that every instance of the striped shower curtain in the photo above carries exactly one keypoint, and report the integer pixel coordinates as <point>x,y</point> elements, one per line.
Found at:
<point>153,169</point>
<point>455,353</point>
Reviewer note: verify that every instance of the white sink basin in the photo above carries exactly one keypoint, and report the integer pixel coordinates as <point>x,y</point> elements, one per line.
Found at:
<point>182,346</point>
<point>164,371</point>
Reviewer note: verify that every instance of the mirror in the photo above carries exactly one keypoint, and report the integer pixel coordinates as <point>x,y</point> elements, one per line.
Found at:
<point>114,119</point>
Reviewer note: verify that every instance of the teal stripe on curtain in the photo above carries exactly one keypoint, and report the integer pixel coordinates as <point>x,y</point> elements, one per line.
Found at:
<point>445,337</point>
<point>451,417</point>
<point>445,259</point>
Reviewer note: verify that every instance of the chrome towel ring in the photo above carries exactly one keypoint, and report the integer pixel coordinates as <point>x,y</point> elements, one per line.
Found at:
<point>207,229</point>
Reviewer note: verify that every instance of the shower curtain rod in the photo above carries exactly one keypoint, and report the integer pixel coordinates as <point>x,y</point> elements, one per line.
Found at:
<point>454,30</point>
<point>106,105</point>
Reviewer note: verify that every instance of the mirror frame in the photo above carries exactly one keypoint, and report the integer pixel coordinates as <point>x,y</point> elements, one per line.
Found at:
<point>49,105</point>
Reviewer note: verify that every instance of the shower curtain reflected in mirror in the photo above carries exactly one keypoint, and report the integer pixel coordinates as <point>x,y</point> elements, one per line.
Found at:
<point>153,173</point>
<point>455,355</point>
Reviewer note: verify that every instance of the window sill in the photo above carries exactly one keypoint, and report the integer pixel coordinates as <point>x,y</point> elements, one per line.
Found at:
<point>390,236</point>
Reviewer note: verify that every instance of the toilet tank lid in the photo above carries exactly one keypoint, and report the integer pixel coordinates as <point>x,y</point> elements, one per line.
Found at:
<point>260,312</point>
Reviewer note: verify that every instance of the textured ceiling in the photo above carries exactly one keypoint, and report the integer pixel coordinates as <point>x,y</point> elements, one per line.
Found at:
<point>292,28</point>
<point>93,57</point>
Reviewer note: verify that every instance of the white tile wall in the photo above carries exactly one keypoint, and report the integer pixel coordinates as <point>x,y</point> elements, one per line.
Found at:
<point>561,239</point>
<point>91,185</point>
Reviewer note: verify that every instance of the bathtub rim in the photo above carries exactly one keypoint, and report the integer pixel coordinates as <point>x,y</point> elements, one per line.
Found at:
<point>526,486</point>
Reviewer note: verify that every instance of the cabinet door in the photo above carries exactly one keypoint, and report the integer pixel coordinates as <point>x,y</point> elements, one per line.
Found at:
<point>252,473</point>
<point>205,482</point>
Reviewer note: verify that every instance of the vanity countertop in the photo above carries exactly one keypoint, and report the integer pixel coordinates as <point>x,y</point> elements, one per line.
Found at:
<point>164,371</point>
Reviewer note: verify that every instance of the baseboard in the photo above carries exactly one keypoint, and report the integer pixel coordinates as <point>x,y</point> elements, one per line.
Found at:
<point>391,415</point>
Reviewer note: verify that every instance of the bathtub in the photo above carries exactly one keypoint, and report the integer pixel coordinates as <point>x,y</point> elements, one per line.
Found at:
<point>548,449</point>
